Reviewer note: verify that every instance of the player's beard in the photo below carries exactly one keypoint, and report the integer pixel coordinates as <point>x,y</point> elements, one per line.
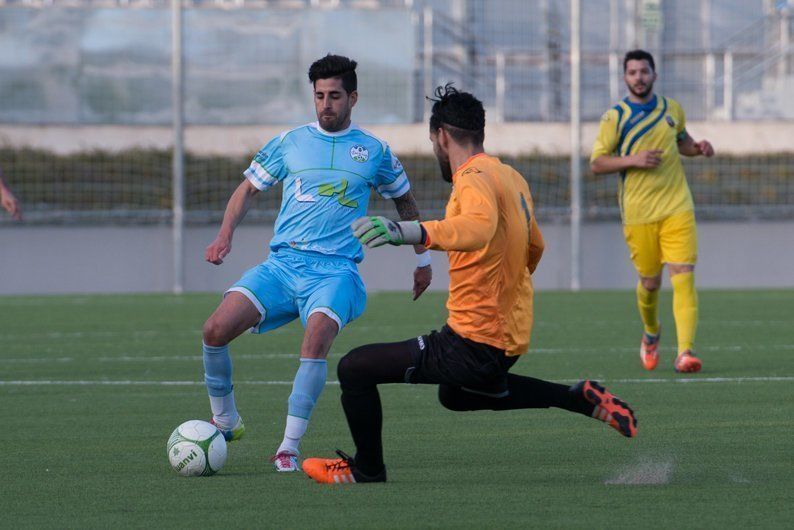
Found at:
<point>446,168</point>
<point>334,125</point>
<point>645,93</point>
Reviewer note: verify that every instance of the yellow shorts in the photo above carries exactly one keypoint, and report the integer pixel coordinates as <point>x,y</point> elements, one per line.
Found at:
<point>671,240</point>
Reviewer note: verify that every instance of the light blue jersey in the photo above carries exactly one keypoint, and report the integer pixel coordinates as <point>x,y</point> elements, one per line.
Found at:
<point>326,180</point>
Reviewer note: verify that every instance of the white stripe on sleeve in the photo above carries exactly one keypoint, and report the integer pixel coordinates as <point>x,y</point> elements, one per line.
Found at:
<point>259,176</point>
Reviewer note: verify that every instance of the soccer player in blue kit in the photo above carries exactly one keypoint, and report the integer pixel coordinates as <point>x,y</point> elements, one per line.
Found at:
<point>326,170</point>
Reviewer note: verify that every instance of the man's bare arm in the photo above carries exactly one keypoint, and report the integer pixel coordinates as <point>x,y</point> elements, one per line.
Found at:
<point>236,209</point>
<point>616,164</point>
<point>687,146</point>
<point>408,210</point>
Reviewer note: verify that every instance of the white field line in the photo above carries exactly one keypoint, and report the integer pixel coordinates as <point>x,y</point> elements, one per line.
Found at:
<point>151,333</point>
<point>294,355</point>
<point>682,380</point>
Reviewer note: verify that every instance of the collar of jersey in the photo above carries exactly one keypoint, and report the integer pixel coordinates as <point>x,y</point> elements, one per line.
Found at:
<point>343,132</point>
<point>647,107</point>
<point>466,163</point>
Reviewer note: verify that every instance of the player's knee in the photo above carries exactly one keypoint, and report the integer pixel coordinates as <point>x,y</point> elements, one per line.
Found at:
<point>214,333</point>
<point>350,369</point>
<point>651,284</point>
<point>449,397</point>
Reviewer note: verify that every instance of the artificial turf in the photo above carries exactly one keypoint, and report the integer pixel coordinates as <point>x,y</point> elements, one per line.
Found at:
<point>88,407</point>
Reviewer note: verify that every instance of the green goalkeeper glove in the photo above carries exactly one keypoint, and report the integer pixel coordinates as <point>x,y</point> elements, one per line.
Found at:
<point>376,231</point>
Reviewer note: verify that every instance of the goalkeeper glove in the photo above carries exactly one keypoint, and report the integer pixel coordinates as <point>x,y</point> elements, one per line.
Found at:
<point>376,231</point>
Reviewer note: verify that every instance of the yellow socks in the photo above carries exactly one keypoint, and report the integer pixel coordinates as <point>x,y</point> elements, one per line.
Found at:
<point>648,304</point>
<point>685,309</point>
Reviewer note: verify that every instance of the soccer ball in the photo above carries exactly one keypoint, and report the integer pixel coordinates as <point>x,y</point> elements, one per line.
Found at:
<point>196,448</point>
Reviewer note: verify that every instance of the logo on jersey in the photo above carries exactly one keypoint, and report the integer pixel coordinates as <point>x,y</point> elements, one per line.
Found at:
<point>359,153</point>
<point>261,158</point>
<point>670,121</point>
<point>395,164</point>
<point>637,118</point>
<point>329,190</point>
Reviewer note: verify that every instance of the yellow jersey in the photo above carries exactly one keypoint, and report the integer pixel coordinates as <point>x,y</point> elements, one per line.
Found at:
<point>646,195</point>
<point>494,244</point>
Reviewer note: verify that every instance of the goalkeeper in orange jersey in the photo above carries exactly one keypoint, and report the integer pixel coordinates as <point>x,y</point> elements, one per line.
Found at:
<point>493,244</point>
<point>642,138</point>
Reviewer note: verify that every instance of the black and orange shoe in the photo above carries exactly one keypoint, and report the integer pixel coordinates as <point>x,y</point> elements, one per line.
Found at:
<point>687,362</point>
<point>608,408</point>
<point>340,470</point>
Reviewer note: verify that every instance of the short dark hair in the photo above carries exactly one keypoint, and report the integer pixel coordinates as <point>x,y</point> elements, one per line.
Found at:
<point>638,55</point>
<point>335,66</point>
<point>459,113</point>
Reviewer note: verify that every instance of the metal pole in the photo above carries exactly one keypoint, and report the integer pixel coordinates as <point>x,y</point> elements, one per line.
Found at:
<point>576,147</point>
<point>500,87</point>
<point>711,69</point>
<point>782,65</point>
<point>427,56</point>
<point>614,44</point>
<point>727,84</point>
<point>178,168</point>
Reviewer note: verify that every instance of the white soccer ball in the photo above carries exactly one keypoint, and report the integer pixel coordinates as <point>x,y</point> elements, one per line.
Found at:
<point>196,448</point>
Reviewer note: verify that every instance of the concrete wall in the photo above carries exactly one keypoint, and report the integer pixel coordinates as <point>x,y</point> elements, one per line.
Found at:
<point>506,139</point>
<point>50,260</point>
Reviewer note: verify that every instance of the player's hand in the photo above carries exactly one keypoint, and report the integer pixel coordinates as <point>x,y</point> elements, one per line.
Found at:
<point>10,204</point>
<point>705,148</point>
<point>218,249</point>
<point>422,278</point>
<point>376,231</point>
<point>648,159</point>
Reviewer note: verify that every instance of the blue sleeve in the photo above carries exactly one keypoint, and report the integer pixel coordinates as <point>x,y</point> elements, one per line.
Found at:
<point>391,180</point>
<point>268,167</point>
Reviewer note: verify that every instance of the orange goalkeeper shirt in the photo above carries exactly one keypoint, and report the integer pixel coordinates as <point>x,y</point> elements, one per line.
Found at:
<point>493,244</point>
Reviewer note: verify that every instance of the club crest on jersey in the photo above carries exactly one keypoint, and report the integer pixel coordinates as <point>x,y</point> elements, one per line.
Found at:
<point>359,153</point>
<point>669,121</point>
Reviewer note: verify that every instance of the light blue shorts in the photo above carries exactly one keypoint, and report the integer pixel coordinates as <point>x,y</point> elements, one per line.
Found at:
<point>293,283</point>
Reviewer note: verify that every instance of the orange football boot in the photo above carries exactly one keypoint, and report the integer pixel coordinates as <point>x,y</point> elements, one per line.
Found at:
<point>649,350</point>
<point>340,470</point>
<point>609,408</point>
<point>687,362</point>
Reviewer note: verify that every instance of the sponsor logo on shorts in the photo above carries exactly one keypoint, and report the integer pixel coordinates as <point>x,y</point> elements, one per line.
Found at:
<point>421,341</point>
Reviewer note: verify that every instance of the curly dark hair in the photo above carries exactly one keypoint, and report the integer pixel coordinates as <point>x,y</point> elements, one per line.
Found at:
<point>638,55</point>
<point>459,113</point>
<point>335,66</point>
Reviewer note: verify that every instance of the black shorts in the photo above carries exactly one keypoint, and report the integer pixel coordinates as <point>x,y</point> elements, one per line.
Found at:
<point>445,358</point>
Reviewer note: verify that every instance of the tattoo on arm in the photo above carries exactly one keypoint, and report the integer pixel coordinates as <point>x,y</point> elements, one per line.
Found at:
<point>407,208</point>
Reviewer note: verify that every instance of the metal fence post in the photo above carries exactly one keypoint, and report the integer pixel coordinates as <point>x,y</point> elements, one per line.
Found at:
<point>576,141</point>
<point>178,167</point>
<point>727,84</point>
<point>427,57</point>
<point>500,87</point>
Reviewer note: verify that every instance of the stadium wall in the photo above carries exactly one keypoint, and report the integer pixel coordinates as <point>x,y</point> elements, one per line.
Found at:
<point>64,259</point>
<point>737,138</point>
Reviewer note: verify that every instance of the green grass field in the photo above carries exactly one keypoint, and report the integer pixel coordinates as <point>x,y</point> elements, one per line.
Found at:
<point>714,450</point>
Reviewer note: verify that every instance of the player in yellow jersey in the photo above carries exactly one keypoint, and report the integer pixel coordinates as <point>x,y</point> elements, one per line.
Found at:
<point>493,244</point>
<point>642,138</point>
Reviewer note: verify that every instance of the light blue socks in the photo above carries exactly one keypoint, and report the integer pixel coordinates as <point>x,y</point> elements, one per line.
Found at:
<point>218,378</point>
<point>306,389</point>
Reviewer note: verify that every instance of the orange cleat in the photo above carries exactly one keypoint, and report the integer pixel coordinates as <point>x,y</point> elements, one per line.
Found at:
<point>340,470</point>
<point>687,362</point>
<point>649,350</point>
<point>609,408</point>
